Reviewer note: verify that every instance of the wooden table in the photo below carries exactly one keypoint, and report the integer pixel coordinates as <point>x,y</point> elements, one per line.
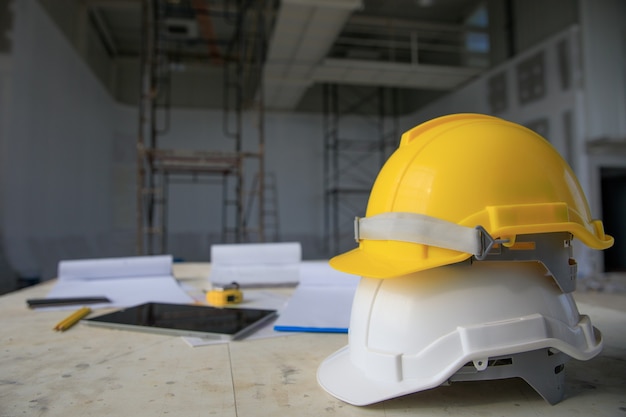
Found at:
<point>89,371</point>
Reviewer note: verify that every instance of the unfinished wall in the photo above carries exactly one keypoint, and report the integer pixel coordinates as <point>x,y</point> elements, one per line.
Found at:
<point>68,168</point>
<point>67,148</point>
<point>56,148</point>
<point>569,88</point>
<point>293,152</point>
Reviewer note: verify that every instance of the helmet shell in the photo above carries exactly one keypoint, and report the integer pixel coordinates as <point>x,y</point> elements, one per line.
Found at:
<point>415,332</point>
<point>472,170</point>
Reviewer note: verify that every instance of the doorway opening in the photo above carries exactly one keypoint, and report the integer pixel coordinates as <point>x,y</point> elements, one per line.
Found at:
<point>613,188</point>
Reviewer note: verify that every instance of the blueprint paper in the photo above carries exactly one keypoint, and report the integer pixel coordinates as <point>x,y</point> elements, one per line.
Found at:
<point>125,281</point>
<point>140,266</point>
<point>321,303</point>
<point>255,264</point>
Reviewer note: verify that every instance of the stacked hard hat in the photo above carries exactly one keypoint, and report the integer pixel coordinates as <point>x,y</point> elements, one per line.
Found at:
<point>466,263</point>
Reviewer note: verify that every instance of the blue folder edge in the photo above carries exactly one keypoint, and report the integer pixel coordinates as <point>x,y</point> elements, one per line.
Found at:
<point>310,329</point>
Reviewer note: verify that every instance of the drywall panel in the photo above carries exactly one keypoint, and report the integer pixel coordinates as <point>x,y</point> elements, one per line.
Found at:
<point>604,62</point>
<point>528,89</point>
<point>545,91</point>
<point>537,20</point>
<point>57,150</point>
<point>293,153</point>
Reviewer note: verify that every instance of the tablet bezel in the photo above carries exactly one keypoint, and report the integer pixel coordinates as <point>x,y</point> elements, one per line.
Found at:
<point>116,320</point>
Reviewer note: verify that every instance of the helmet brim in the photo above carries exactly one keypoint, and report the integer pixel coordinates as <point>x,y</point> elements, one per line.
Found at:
<point>369,261</point>
<point>340,378</point>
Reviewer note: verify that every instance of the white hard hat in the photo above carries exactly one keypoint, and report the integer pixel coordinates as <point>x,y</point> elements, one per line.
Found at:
<point>486,320</point>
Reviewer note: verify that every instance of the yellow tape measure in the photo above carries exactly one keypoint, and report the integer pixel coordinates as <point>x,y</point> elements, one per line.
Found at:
<point>229,294</point>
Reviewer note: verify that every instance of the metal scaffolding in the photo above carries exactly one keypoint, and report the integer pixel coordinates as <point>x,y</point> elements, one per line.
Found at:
<point>156,167</point>
<point>354,152</point>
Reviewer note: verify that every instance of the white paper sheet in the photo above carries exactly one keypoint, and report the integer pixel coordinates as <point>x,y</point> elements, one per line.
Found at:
<point>125,281</point>
<point>109,268</point>
<point>321,303</point>
<point>255,264</point>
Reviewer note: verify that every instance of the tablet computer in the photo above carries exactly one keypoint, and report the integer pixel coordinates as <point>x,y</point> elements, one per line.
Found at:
<point>186,320</point>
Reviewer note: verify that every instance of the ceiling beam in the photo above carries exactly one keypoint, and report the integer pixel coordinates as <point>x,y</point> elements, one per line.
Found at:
<point>304,33</point>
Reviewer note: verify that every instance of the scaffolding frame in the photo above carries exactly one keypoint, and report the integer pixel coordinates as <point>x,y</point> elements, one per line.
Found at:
<point>352,160</point>
<point>242,64</point>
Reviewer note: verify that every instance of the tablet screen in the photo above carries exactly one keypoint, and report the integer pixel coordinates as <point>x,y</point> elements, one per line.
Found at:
<point>189,320</point>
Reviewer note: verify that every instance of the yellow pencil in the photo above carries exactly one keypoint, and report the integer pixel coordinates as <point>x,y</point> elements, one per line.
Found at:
<point>72,319</point>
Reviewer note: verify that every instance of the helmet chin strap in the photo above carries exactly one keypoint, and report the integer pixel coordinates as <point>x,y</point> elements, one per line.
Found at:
<point>553,250</point>
<point>425,230</point>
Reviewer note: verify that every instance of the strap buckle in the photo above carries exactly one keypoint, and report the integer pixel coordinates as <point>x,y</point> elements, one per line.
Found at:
<point>486,243</point>
<point>357,229</point>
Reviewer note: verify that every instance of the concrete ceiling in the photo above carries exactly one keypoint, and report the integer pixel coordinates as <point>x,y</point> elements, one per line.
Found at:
<point>412,45</point>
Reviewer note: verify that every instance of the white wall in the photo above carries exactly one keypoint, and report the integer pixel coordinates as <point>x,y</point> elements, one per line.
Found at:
<point>474,97</point>
<point>594,99</point>
<point>550,108</point>
<point>7,275</point>
<point>68,162</point>
<point>56,147</point>
<point>293,152</point>
<point>604,62</point>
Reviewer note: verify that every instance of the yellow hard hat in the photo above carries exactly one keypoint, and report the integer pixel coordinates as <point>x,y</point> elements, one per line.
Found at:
<point>456,180</point>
